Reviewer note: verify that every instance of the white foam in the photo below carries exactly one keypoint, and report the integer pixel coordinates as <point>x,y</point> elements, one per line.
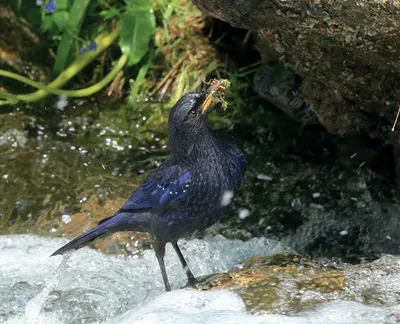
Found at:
<point>199,307</point>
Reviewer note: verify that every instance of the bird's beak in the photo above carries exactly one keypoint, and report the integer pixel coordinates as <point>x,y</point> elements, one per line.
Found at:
<point>210,93</point>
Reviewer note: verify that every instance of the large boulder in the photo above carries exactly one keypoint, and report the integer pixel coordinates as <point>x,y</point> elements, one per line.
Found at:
<point>347,53</point>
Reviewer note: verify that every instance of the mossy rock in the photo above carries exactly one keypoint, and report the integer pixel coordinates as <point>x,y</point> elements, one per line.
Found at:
<point>276,282</point>
<point>288,283</point>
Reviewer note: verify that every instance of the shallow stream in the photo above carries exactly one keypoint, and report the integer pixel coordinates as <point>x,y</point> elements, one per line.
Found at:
<point>64,169</point>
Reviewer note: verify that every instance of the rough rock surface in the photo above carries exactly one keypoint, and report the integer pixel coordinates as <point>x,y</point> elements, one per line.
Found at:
<point>288,283</point>
<point>321,202</point>
<point>347,53</point>
<point>279,85</point>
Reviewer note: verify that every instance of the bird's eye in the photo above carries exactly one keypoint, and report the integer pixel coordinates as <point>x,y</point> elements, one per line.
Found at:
<point>193,112</point>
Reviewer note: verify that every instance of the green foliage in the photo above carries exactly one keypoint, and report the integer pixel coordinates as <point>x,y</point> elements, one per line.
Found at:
<point>140,77</point>
<point>71,30</point>
<point>74,23</point>
<point>61,18</point>
<point>137,30</point>
<point>110,13</point>
<point>29,11</point>
<point>71,26</point>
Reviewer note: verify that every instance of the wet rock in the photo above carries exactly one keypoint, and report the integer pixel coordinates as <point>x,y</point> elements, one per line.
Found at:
<point>347,54</point>
<point>313,204</point>
<point>288,283</point>
<point>12,121</point>
<point>280,85</point>
<point>12,132</point>
<point>77,169</point>
<point>13,138</point>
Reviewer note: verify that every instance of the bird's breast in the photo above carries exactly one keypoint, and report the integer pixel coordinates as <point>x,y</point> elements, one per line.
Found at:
<point>216,172</point>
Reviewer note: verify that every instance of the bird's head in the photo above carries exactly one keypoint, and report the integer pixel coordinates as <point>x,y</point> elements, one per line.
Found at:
<point>188,119</point>
<point>188,116</point>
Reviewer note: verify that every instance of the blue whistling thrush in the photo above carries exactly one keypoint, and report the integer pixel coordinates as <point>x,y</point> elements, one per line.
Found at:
<point>189,192</point>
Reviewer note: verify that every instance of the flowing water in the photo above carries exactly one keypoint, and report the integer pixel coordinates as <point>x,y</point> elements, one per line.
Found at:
<point>35,305</point>
<point>64,169</point>
<point>96,288</point>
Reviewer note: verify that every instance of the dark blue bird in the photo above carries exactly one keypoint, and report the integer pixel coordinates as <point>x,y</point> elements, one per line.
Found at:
<point>189,192</point>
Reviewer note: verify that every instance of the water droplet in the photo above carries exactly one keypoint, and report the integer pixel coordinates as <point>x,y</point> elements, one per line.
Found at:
<point>66,219</point>
<point>226,198</point>
<point>264,177</point>
<point>244,213</point>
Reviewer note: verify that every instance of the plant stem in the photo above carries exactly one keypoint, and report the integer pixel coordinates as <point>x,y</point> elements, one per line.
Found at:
<point>103,41</point>
<point>70,93</point>
<point>101,84</point>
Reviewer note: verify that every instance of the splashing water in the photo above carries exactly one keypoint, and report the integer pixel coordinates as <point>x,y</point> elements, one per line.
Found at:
<point>35,305</point>
<point>97,288</point>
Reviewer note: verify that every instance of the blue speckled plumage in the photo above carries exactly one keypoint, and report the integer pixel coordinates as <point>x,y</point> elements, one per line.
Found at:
<point>186,193</point>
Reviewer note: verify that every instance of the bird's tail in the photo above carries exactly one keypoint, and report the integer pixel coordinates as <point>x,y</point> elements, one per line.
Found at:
<point>119,222</point>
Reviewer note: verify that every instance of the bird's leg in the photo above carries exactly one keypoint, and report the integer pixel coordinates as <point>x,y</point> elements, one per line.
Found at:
<point>191,278</point>
<point>159,248</point>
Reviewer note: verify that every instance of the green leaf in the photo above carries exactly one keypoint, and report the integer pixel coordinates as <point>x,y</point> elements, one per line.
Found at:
<point>137,29</point>
<point>140,77</point>
<point>47,23</point>
<point>61,18</point>
<point>18,4</point>
<point>62,5</point>
<point>28,10</point>
<point>110,13</point>
<point>71,31</point>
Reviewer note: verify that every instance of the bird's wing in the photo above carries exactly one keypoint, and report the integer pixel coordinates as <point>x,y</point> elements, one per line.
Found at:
<point>234,167</point>
<point>242,161</point>
<point>169,184</point>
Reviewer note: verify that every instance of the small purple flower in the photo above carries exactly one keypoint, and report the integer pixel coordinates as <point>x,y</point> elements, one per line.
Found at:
<point>92,46</point>
<point>50,7</point>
